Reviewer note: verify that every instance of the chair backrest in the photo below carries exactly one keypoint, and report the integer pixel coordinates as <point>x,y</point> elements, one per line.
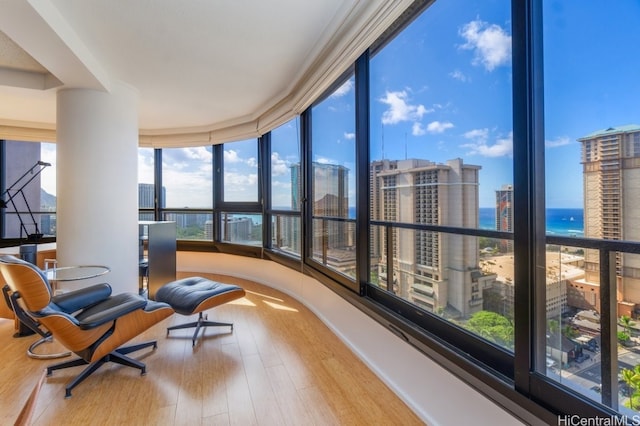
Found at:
<point>28,280</point>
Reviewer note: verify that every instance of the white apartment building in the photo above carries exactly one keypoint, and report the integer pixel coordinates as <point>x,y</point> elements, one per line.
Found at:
<point>611,173</point>
<point>434,270</point>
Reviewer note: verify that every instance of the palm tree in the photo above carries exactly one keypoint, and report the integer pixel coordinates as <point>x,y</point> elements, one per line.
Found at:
<point>570,332</point>
<point>632,380</point>
<point>626,322</point>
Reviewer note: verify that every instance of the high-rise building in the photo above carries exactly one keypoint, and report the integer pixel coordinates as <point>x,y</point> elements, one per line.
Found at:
<point>611,175</point>
<point>504,214</point>
<point>146,195</point>
<point>435,270</point>
<point>236,228</point>
<point>376,207</point>
<point>333,240</point>
<point>296,186</point>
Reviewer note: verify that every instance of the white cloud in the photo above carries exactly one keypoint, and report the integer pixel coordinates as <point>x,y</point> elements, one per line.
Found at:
<point>231,156</point>
<point>239,181</point>
<point>502,147</point>
<point>559,141</point>
<point>399,108</point>
<point>198,153</point>
<point>418,129</point>
<point>279,166</point>
<point>438,127</point>
<point>490,43</point>
<point>458,75</point>
<point>478,135</point>
<point>349,136</point>
<point>343,90</point>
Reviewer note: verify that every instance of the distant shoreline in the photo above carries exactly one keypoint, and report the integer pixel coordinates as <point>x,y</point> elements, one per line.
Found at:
<point>559,221</point>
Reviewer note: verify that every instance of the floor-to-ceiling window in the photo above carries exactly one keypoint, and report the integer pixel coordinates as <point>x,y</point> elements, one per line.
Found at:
<point>28,190</point>
<point>286,188</point>
<point>146,184</point>
<point>187,191</point>
<point>592,171</point>
<point>333,186</point>
<point>240,207</point>
<point>441,156</point>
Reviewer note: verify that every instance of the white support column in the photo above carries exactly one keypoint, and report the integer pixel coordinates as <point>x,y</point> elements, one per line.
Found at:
<point>97,183</point>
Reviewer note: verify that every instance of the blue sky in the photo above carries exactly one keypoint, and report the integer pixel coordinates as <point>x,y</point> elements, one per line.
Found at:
<point>442,90</point>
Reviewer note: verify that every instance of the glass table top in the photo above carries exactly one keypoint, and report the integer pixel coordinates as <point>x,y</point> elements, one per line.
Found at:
<point>74,273</point>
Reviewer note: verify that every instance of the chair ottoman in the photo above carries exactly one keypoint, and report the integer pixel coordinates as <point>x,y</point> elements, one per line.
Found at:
<point>193,295</point>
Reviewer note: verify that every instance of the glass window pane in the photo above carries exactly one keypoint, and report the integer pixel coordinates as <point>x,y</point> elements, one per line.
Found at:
<point>146,179</point>
<point>241,171</point>
<point>333,179</point>
<point>191,225</point>
<point>592,170</point>
<point>331,244</point>
<point>187,177</point>
<point>441,115</point>
<point>466,280</point>
<point>241,228</point>
<point>286,234</point>
<point>285,166</point>
<point>442,155</point>
<point>30,193</point>
<point>48,201</point>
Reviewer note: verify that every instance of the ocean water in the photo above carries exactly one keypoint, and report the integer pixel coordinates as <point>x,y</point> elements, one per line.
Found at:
<point>563,222</point>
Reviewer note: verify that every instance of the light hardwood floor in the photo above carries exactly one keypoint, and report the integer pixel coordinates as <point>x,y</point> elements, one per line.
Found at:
<point>280,366</point>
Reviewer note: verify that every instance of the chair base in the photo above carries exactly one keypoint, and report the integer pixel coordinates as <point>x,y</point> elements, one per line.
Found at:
<point>118,356</point>
<point>200,324</point>
<point>47,339</point>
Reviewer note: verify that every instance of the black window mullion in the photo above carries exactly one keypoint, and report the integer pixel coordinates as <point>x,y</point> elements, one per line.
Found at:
<point>529,213</point>
<point>158,197</point>
<point>264,189</point>
<point>218,181</point>
<point>362,171</point>
<point>608,328</point>
<point>306,174</point>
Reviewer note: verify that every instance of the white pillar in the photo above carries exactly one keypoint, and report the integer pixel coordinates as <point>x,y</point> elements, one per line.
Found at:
<point>97,183</point>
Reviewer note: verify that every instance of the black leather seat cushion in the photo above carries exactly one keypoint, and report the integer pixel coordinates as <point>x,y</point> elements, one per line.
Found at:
<point>187,294</point>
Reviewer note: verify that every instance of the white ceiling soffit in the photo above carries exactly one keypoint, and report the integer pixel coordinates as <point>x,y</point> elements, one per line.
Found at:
<point>206,71</point>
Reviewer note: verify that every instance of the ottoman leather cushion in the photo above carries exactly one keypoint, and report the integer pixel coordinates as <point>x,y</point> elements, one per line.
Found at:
<point>196,294</point>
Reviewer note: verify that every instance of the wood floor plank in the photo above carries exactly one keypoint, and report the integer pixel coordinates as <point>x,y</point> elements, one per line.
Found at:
<point>263,397</point>
<point>288,397</point>
<point>280,366</point>
<point>241,410</point>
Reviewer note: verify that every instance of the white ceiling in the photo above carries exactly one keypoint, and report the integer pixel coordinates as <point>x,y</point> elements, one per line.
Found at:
<point>195,63</point>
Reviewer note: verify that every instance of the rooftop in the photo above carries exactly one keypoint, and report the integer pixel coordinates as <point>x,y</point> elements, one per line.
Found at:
<point>612,131</point>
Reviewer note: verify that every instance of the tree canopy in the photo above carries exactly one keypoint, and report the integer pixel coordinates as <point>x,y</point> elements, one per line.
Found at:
<point>492,326</point>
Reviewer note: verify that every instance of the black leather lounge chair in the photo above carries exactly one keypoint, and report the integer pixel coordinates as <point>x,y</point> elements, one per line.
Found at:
<point>90,321</point>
